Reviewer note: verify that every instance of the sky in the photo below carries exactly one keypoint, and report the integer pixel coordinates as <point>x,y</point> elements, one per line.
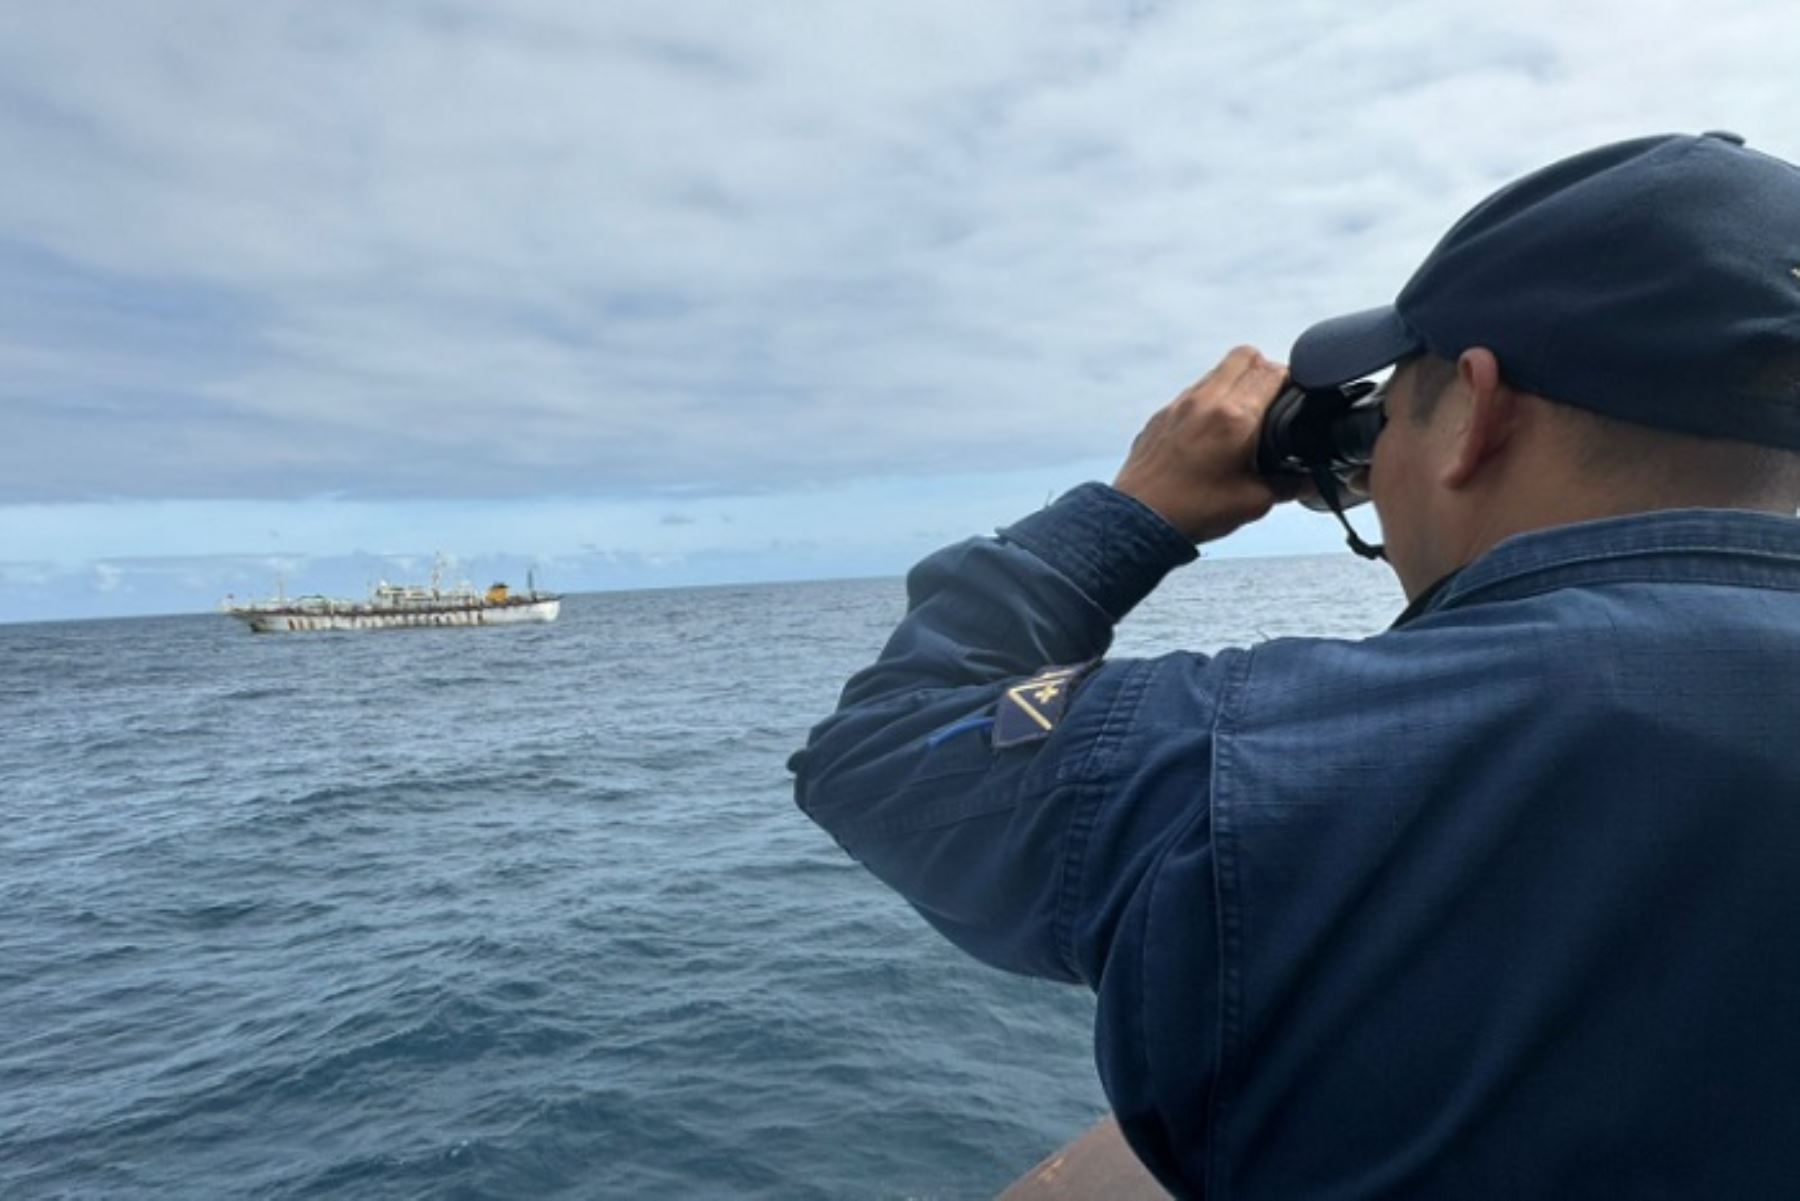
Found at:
<point>655,294</point>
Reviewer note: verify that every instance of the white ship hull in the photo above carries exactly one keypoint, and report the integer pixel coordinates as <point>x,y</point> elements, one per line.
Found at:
<point>361,617</point>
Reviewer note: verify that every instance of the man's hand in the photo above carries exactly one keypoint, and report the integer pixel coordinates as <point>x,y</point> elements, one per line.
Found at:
<point>1195,461</point>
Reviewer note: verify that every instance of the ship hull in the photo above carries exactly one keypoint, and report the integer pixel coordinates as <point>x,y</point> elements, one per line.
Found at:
<point>359,617</point>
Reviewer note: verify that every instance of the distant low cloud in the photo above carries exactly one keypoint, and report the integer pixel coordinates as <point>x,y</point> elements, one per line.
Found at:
<point>871,528</point>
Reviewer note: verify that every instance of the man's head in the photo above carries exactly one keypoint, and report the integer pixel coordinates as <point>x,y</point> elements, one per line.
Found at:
<point>1467,459</point>
<point>1619,331</point>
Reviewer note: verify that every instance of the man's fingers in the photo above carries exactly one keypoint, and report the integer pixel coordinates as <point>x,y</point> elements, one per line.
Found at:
<point>1266,377</point>
<point>1259,380</point>
<point>1226,368</point>
<point>1244,361</point>
<point>1229,371</point>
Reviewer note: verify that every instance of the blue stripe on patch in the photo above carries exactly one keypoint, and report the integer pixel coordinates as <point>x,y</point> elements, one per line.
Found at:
<point>944,735</point>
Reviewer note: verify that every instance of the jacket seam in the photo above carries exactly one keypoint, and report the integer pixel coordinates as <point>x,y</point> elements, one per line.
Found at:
<point>1764,559</point>
<point>1229,923</point>
<point>1515,587</point>
<point>1086,784</point>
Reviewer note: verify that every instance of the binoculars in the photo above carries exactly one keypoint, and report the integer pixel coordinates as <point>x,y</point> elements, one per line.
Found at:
<point>1325,436</point>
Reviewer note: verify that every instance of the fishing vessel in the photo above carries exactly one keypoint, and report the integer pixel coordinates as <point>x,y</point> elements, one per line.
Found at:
<point>399,606</point>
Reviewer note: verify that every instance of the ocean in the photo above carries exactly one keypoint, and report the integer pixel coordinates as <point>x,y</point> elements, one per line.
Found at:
<point>510,913</point>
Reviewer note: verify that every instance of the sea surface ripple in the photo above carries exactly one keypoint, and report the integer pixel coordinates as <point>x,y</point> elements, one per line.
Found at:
<point>519,912</point>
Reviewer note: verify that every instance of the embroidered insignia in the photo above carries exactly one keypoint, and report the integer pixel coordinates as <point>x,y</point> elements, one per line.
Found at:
<point>1028,712</point>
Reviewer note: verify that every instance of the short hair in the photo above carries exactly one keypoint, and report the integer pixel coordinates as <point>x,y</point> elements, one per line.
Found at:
<point>1431,378</point>
<point>1677,464</point>
<point>1670,463</point>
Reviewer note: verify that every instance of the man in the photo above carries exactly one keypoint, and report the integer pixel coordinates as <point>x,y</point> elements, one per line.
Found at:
<point>1498,903</point>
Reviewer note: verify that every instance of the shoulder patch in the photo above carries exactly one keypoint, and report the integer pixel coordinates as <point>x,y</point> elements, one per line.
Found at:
<point>1028,712</point>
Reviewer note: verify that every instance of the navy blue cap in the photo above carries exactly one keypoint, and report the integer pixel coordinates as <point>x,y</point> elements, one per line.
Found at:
<point>1655,281</point>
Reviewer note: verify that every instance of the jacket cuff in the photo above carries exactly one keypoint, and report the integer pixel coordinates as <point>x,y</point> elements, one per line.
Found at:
<point>1112,547</point>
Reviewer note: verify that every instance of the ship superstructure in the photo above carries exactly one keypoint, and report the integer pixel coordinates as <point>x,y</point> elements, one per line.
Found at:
<point>400,606</point>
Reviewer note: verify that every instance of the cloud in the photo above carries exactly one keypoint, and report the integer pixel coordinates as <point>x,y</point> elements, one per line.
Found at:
<point>550,248</point>
<point>649,295</point>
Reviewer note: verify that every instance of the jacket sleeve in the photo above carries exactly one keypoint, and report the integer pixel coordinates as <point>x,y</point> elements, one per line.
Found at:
<point>1084,854</point>
<point>990,842</point>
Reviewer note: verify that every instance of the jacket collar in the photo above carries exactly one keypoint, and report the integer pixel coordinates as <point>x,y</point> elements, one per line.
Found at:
<point>1723,546</point>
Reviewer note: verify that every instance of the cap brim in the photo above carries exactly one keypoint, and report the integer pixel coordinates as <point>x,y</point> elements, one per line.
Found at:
<point>1350,347</point>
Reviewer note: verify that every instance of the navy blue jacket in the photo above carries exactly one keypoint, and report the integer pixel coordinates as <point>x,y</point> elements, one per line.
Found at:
<point>1503,902</point>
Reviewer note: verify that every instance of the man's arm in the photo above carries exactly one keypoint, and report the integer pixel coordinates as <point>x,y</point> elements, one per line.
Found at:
<point>988,830</point>
<point>968,820</point>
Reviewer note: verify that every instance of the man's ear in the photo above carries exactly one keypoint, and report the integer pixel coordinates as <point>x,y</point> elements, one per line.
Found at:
<point>1489,416</point>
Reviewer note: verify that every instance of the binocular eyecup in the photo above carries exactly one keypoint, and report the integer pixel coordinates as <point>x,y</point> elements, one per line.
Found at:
<point>1331,430</point>
<point>1326,437</point>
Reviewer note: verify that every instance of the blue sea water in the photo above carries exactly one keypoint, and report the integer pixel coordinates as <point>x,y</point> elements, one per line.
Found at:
<point>507,913</point>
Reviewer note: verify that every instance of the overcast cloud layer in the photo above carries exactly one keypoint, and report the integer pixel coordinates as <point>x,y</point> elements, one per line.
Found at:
<point>638,252</point>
